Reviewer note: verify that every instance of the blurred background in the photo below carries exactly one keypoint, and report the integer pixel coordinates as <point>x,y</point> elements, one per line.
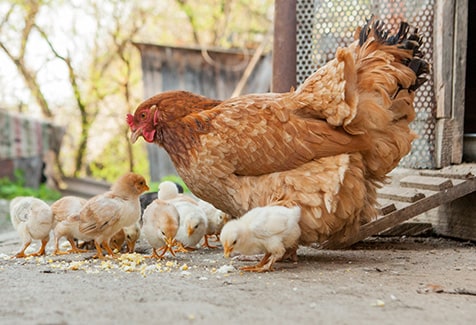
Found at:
<point>70,71</point>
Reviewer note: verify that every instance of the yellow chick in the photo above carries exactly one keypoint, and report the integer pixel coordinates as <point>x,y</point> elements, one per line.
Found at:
<point>66,222</point>
<point>270,230</point>
<point>105,214</point>
<point>32,219</point>
<point>160,225</point>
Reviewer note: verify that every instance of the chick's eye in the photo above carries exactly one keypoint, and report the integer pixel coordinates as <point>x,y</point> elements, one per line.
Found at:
<point>196,226</point>
<point>234,242</point>
<point>163,233</point>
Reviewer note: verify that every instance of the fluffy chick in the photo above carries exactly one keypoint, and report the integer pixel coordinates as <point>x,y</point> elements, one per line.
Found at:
<point>193,221</point>
<point>147,198</point>
<point>32,219</point>
<point>216,219</point>
<point>66,222</point>
<point>169,190</point>
<point>193,224</point>
<point>270,230</point>
<point>105,214</point>
<point>161,222</point>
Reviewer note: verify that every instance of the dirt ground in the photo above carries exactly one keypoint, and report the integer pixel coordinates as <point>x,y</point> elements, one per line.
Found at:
<point>382,280</point>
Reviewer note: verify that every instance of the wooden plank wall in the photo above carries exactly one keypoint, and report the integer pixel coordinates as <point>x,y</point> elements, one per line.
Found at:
<point>449,56</point>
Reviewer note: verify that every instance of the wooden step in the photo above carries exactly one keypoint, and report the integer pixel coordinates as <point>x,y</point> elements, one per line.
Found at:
<point>408,229</point>
<point>433,199</point>
<point>426,183</point>
<point>386,207</point>
<point>400,194</point>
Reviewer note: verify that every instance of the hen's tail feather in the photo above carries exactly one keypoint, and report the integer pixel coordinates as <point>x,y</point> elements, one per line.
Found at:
<point>390,68</point>
<point>406,38</point>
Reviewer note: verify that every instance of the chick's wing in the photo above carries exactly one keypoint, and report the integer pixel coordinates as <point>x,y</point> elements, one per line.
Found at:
<point>99,213</point>
<point>264,225</point>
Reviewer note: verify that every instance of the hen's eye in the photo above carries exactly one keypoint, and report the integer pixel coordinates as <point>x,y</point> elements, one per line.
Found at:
<point>143,115</point>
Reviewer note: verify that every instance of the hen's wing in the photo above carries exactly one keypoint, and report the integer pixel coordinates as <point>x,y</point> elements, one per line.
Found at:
<point>259,134</point>
<point>99,213</point>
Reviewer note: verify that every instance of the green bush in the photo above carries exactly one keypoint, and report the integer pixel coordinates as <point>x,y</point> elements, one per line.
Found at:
<point>10,189</point>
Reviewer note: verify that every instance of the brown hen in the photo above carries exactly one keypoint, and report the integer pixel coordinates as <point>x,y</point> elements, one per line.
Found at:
<point>325,147</point>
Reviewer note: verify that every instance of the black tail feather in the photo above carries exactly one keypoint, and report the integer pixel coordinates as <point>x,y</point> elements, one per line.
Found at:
<point>406,38</point>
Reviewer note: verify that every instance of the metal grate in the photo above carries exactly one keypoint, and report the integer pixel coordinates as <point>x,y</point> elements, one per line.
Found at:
<point>325,25</point>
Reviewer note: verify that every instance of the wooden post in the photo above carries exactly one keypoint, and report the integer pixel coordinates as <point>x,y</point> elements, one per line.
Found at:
<point>284,46</point>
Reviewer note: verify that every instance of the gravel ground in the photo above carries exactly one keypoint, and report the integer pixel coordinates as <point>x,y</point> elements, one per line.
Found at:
<point>381,280</point>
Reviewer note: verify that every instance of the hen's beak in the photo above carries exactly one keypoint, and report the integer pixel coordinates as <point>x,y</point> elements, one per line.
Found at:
<point>227,250</point>
<point>135,135</point>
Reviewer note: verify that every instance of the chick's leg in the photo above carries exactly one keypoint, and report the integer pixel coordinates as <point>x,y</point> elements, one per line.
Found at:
<point>183,249</point>
<point>74,248</point>
<point>99,253</point>
<point>108,248</point>
<point>206,243</point>
<point>57,251</point>
<point>21,253</point>
<point>166,248</point>
<point>42,249</point>
<point>264,265</point>
<point>154,254</point>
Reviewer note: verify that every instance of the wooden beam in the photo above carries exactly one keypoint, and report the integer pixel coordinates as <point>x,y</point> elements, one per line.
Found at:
<point>459,79</point>
<point>460,189</point>
<point>284,46</point>
<point>443,55</point>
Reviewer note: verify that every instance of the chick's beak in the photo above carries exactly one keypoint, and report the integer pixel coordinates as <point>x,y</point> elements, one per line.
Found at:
<point>189,231</point>
<point>227,250</point>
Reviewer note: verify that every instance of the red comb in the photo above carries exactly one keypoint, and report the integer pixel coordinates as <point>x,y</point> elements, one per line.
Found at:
<point>130,120</point>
